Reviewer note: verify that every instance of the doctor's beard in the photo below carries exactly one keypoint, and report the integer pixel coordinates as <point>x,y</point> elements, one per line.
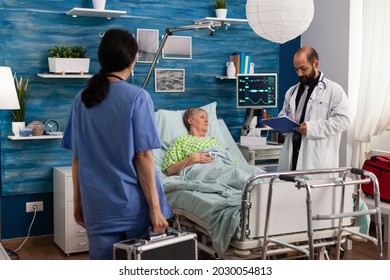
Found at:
<point>306,80</point>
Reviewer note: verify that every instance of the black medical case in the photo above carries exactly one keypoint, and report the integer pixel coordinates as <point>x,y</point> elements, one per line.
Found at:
<point>172,245</point>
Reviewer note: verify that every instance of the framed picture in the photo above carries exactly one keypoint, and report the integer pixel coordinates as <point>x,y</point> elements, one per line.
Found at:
<point>147,40</point>
<point>169,80</point>
<point>177,47</point>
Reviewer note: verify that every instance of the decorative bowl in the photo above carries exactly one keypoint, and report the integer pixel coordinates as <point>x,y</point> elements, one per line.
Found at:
<point>25,131</point>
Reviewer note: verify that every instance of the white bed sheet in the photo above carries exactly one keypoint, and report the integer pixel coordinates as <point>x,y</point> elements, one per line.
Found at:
<point>193,201</point>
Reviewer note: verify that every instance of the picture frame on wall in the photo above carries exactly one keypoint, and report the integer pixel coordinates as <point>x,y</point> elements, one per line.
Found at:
<point>177,47</point>
<point>147,40</point>
<point>169,80</point>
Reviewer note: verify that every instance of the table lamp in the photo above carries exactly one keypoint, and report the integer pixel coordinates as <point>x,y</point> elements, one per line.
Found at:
<point>8,97</point>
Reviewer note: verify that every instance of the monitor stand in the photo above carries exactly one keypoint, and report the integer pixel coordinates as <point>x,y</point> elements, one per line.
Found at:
<point>245,127</point>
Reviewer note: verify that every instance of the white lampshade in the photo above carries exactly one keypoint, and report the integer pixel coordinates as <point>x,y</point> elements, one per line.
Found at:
<point>279,20</point>
<point>8,97</point>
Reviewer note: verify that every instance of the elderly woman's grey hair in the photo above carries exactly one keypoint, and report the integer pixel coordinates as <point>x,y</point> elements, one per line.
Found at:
<point>189,113</point>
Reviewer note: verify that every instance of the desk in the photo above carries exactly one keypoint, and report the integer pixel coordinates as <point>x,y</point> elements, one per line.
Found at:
<point>385,213</point>
<point>260,152</point>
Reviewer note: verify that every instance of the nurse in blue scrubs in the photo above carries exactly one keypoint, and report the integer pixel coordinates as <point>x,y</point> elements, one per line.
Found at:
<point>117,190</point>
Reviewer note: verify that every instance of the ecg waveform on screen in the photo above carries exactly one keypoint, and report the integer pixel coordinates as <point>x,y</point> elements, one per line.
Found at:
<point>258,102</point>
<point>257,91</point>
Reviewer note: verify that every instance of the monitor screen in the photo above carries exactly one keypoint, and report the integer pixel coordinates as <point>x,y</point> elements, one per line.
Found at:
<point>257,91</point>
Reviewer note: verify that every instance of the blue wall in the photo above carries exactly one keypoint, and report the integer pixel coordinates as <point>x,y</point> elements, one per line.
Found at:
<point>29,28</point>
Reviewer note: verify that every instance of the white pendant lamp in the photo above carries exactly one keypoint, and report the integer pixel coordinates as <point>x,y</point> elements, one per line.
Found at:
<point>279,20</point>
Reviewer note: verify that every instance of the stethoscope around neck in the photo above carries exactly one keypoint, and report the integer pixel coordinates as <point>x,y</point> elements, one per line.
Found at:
<point>320,84</point>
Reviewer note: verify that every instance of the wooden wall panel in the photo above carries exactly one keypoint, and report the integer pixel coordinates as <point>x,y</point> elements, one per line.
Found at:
<point>30,28</point>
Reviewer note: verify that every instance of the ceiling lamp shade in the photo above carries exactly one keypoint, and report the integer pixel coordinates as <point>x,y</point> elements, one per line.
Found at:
<point>279,20</point>
<point>8,98</point>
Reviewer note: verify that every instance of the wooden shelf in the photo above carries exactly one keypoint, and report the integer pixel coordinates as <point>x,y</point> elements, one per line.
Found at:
<point>225,78</point>
<point>95,13</point>
<point>66,76</point>
<point>43,137</point>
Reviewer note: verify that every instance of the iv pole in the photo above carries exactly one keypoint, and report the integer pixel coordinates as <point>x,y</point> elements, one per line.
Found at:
<point>211,25</point>
<point>245,127</point>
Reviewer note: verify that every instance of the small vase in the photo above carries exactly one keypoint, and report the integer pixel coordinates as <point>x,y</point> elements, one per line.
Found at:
<point>16,126</point>
<point>37,127</point>
<point>99,4</point>
<point>230,70</point>
<point>252,68</point>
<point>221,13</point>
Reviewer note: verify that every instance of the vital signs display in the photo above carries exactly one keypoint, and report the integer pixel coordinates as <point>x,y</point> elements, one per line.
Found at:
<point>257,91</point>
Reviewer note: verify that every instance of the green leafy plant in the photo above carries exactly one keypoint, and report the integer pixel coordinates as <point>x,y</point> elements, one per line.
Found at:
<point>68,52</point>
<point>23,93</point>
<point>220,4</point>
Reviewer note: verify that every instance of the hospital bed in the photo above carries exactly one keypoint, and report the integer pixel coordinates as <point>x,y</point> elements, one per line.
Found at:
<point>272,215</point>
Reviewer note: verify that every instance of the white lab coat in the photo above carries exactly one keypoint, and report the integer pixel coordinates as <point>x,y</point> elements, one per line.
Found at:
<point>326,118</point>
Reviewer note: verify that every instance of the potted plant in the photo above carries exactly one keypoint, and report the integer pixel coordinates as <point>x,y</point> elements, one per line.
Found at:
<point>23,94</point>
<point>221,8</point>
<point>68,59</point>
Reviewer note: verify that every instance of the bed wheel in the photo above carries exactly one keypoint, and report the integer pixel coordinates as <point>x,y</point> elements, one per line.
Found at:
<point>241,253</point>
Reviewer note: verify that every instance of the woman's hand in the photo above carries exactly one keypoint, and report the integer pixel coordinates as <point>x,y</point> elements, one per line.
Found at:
<point>175,168</point>
<point>78,214</point>
<point>201,158</point>
<point>159,223</point>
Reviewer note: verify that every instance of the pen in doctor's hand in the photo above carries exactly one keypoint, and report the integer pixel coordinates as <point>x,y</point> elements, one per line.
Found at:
<point>287,112</point>
<point>288,115</point>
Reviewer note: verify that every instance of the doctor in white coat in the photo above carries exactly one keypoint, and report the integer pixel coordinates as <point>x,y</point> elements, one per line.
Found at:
<point>320,106</point>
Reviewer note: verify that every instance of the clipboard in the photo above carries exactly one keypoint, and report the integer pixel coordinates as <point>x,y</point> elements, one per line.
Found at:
<point>281,124</point>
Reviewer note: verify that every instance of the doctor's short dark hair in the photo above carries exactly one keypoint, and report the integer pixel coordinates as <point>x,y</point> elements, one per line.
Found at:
<point>189,113</point>
<point>311,54</point>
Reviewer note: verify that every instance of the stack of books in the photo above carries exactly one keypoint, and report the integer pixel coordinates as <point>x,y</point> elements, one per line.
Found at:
<point>242,62</point>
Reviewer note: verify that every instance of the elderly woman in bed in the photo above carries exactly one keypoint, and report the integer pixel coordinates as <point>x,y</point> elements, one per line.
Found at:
<point>185,150</point>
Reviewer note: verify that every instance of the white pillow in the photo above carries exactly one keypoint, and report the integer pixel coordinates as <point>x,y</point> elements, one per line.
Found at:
<point>171,126</point>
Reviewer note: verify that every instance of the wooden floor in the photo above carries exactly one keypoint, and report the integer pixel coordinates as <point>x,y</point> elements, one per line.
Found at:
<point>40,248</point>
<point>44,248</point>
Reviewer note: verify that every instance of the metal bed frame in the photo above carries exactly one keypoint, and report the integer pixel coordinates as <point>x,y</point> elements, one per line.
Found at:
<point>297,177</point>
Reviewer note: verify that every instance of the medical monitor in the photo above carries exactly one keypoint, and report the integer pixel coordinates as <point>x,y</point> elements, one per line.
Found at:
<point>257,91</point>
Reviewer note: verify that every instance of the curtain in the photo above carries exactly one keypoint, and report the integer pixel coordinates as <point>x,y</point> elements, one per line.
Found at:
<point>373,108</point>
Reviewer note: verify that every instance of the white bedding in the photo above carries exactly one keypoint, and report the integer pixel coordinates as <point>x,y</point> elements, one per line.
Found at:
<point>211,192</point>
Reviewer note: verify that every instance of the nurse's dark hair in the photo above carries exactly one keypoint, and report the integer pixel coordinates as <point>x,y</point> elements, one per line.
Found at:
<point>117,50</point>
<point>310,52</point>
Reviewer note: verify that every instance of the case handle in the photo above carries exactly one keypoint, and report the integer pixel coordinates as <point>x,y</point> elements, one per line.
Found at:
<point>151,235</point>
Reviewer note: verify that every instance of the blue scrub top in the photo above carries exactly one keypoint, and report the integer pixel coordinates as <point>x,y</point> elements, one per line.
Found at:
<point>105,139</point>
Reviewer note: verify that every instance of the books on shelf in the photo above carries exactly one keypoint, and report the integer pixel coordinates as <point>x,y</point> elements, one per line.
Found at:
<point>236,60</point>
<point>247,64</point>
<point>242,62</point>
